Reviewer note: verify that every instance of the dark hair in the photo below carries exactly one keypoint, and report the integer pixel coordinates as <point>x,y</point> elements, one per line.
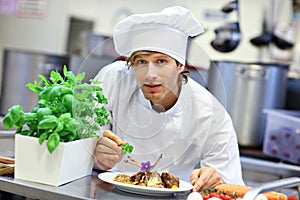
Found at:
<point>130,60</point>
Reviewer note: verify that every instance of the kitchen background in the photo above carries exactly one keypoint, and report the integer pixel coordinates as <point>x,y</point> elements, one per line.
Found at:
<point>35,35</point>
<point>41,33</point>
<point>45,25</point>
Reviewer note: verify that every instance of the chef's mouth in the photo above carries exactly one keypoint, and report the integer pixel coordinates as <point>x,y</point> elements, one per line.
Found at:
<point>152,86</point>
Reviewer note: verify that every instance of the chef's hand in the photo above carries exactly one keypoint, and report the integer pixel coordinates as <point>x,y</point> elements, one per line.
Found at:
<point>108,151</point>
<point>205,177</point>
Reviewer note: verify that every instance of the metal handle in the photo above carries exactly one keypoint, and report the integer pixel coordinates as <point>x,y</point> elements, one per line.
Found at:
<point>277,184</point>
<point>253,71</point>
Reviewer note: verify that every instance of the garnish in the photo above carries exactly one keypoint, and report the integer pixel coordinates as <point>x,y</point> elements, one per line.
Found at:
<point>127,148</point>
<point>174,187</point>
<point>144,166</point>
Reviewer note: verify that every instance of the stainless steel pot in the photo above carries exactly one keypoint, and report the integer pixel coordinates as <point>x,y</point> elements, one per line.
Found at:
<point>245,89</point>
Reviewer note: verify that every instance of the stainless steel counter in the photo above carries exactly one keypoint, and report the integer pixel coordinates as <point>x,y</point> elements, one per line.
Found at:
<point>255,171</point>
<point>89,187</point>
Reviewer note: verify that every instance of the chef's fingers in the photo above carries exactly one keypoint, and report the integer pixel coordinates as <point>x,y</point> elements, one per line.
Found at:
<point>110,150</point>
<point>113,137</point>
<point>213,181</point>
<point>107,154</point>
<point>108,146</point>
<point>206,177</point>
<point>104,164</point>
<point>194,176</point>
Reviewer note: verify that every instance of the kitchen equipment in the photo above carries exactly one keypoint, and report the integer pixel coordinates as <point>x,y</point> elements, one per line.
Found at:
<point>270,32</point>
<point>22,67</point>
<point>100,51</point>
<point>7,144</point>
<point>282,138</point>
<point>293,94</point>
<point>230,6</point>
<point>245,89</point>
<point>274,185</point>
<point>281,43</point>
<point>227,38</point>
<point>265,37</point>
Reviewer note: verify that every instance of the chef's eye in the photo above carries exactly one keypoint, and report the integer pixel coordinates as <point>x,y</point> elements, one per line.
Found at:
<point>140,62</point>
<point>161,61</point>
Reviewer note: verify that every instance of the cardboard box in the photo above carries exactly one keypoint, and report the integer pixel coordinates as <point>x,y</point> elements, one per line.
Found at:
<point>282,135</point>
<point>69,161</point>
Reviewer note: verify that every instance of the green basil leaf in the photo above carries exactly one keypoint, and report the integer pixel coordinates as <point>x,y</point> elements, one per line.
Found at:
<point>67,101</point>
<point>60,127</point>
<point>8,121</point>
<point>55,77</point>
<point>48,122</point>
<point>13,116</point>
<point>80,77</point>
<point>71,77</point>
<point>42,112</point>
<point>65,118</point>
<point>34,88</point>
<point>29,116</point>
<point>53,142</point>
<point>42,138</point>
<point>45,80</point>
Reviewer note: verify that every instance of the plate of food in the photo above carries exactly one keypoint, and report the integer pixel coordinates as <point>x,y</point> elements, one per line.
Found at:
<point>146,183</point>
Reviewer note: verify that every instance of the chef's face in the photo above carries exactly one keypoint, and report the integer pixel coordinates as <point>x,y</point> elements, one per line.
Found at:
<point>157,75</point>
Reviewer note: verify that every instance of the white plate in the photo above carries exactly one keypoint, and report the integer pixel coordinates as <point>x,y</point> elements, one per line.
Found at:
<point>137,189</point>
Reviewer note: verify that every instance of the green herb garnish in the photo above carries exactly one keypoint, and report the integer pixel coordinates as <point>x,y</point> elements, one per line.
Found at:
<point>127,148</point>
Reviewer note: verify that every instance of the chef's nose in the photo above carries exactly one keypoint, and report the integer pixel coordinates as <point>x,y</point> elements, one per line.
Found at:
<point>151,71</point>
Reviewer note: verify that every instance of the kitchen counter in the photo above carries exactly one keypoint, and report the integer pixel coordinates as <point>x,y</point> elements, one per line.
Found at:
<point>255,171</point>
<point>258,168</point>
<point>89,187</point>
<point>254,159</point>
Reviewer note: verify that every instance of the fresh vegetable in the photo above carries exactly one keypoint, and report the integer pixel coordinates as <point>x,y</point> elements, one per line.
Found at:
<point>236,192</point>
<point>67,110</point>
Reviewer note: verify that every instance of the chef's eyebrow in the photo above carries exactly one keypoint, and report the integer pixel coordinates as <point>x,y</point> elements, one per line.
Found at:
<point>156,56</point>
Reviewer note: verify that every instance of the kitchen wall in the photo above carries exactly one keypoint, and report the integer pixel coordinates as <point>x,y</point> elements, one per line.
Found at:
<point>49,33</point>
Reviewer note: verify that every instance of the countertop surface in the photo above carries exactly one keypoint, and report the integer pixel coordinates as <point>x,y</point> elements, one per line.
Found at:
<point>89,187</point>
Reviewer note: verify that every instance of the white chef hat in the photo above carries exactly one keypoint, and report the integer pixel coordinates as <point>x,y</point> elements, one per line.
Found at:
<point>166,32</point>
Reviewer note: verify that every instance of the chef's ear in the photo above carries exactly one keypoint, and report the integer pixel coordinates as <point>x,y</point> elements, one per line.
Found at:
<point>180,67</point>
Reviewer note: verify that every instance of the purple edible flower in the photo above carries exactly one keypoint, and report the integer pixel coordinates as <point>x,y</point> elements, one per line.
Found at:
<point>145,166</point>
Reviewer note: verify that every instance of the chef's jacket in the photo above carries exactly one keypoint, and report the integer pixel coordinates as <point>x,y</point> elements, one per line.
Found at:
<point>195,131</point>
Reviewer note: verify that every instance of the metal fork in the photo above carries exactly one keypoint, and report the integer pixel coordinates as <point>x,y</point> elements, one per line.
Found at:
<point>274,185</point>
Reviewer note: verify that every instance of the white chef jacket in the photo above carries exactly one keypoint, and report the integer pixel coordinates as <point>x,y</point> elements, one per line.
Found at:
<point>196,129</point>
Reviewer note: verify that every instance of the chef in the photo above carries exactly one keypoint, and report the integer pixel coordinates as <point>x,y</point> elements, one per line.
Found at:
<point>158,109</point>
